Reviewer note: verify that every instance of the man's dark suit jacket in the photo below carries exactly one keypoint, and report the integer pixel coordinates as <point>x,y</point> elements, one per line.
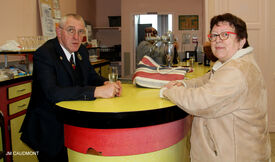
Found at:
<point>54,80</point>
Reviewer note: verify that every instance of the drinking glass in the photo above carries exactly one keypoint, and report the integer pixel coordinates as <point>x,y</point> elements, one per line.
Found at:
<point>192,60</point>
<point>169,54</point>
<point>23,42</point>
<point>113,74</point>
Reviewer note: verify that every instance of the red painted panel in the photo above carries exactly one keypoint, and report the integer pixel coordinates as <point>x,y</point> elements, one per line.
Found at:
<point>129,141</point>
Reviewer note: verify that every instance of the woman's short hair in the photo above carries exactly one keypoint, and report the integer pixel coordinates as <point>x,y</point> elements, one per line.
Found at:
<point>236,22</point>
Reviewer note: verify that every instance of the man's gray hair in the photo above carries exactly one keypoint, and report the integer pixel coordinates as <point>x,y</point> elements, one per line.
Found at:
<point>63,20</point>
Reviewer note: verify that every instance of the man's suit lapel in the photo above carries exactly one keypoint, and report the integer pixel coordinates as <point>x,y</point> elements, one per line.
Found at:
<point>64,60</point>
<point>79,64</point>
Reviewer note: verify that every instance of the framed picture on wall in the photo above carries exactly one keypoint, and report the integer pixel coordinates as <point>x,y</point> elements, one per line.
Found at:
<point>188,22</point>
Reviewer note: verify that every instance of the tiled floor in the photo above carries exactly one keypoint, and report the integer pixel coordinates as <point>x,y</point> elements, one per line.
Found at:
<point>272,138</point>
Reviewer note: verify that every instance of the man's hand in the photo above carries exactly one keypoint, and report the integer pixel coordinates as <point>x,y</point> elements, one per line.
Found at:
<point>108,90</point>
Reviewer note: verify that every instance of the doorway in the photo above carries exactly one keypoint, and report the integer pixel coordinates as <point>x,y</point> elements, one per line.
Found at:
<point>161,22</point>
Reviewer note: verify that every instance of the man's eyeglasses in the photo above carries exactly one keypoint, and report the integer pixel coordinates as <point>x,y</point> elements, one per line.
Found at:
<point>71,31</point>
<point>222,35</point>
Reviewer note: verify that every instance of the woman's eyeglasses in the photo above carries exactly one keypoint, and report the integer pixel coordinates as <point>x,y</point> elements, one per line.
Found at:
<point>222,35</point>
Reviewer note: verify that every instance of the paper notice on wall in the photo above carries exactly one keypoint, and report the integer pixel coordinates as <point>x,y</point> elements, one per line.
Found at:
<point>56,9</point>
<point>50,15</point>
<point>48,27</point>
<point>57,14</point>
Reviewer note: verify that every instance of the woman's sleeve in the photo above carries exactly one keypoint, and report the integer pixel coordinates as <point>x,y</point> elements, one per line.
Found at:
<point>222,94</point>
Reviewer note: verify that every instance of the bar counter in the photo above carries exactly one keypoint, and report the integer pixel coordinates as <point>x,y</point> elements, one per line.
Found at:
<point>138,126</point>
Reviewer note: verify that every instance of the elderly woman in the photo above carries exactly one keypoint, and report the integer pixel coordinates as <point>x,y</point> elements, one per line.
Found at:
<point>229,103</point>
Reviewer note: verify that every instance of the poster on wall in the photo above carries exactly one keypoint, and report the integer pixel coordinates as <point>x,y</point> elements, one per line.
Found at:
<point>49,15</point>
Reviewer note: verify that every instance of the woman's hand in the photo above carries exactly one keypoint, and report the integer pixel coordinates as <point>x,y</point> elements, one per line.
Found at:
<point>169,85</point>
<point>173,83</point>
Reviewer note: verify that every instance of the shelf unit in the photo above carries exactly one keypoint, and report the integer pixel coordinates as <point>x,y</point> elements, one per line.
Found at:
<point>107,28</point>
<point>107,54</point>
<point>15,95</point>
<point>25,53</point>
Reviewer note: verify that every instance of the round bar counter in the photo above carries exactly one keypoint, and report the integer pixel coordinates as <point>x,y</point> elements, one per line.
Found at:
<point>138,126</point>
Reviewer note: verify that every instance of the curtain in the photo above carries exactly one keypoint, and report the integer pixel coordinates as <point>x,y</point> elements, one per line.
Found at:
<point>162,24</point>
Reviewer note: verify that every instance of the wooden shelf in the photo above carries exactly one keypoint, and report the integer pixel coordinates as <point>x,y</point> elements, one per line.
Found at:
<point>17,52</point>
<point>107,28</point>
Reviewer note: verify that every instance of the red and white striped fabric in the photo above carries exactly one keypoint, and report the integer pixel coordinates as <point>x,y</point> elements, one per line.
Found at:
<point>151,75</point>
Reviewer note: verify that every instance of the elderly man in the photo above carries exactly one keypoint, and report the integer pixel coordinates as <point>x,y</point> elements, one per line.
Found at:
<point>62,71</point>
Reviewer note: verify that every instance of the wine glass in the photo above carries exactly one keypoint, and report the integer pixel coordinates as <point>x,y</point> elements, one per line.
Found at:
<point>113,74</point>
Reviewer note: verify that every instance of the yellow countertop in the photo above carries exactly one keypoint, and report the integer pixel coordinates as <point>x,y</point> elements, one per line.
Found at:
<point>198,70</point>
<point>132,99</point>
